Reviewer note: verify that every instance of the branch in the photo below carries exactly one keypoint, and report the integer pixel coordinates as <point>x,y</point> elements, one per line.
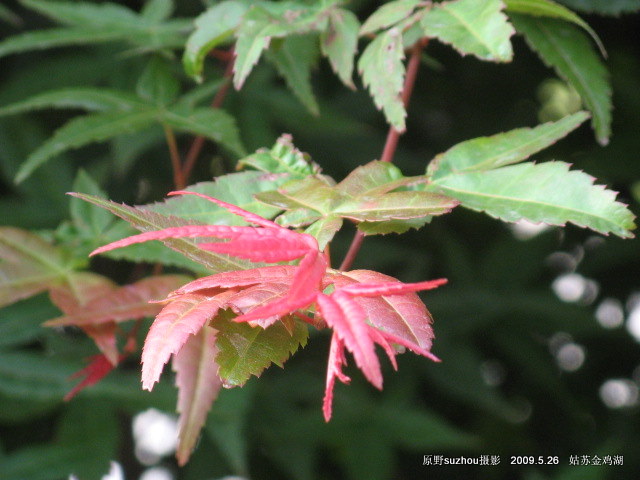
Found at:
<point>218,99</point>
<point>393,136</point>
<point>354,248</point>
<point>409,81</point>
<point>176,163</point>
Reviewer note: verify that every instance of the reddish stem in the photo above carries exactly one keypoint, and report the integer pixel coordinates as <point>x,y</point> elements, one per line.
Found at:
<point>131,343</point>
<point>218,99</point>
<point>224,55</point>
<point>354,248</point>
<point>391,143</point>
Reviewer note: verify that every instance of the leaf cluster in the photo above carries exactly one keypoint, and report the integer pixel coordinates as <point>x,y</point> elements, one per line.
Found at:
<point>109,86</point>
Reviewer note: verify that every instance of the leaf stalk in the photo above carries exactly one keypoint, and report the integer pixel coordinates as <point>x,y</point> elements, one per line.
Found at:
<point>391,143</point>
<point>176,162</point>
<point>218,99</point>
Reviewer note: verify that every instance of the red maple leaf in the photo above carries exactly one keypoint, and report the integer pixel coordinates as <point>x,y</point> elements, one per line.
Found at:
<point>364,309</point>
<point>98,368</point>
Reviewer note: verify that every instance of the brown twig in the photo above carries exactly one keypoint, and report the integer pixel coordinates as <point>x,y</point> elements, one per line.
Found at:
<point>393,136</point>
<point>132,342</point>
<point>176,163</point>
<point>198,142</point>
<point>354,248</point>
<point>220,54</point>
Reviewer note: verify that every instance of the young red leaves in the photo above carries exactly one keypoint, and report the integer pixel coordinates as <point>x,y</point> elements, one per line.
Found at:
<point>348,319</point>
<point>198,386</point>
<point>363,308</point>
<point>96,305</point>
<point>181,318</point>
<point>98,368</point>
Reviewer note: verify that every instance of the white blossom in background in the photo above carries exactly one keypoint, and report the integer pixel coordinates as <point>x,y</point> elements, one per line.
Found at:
<point>610,313</point>
<point>157,473</point>
<point>569,287</point>
<point>115,472</point>
<point>155,434</point>
<point>573,288</point>
<point>570,357</point>
<point>633,320</point>
<point>619,393</point>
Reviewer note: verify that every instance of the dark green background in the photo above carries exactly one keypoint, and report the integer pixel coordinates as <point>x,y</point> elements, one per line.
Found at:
<point>498,306</point>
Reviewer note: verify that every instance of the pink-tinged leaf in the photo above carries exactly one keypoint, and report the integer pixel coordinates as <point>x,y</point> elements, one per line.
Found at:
<point>253,297</point>
<point>80,289</point>
<point>198,386</point>
<point>377,337</point>
<point>179,319</point>
<point>411,346</point>
<point>185,231</point>
<point>396,206</point>
<point>99,367</point>
<point>253,243</point>
<point>74,297</point>
<point>104,336</point>
<point>336,361</point>
<point>306,284</point>
<point>239,278</point>
<point>147,220</point>
<point>310,193</point>
<point>248,216</point>
<point>317,321</point>
<point>404,316</point>
<point>279,308</point>
<point>376,178</point>
<point>109,304</point>
<point>308,277</point>
<point>348,321</point>
<point>28,265</point>
<point>390,288</point>
<point>276,246</point>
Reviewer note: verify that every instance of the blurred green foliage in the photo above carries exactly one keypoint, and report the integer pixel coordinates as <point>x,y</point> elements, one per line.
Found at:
<point>500,389</point>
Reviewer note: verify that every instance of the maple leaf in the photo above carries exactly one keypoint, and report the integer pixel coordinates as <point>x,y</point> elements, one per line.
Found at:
<point>250,299</point>
<point>404,315</point>
<point>351,331</point>
<point>198,385</point>
<point>347,319</point>
<point>337,360</point>
<point>103,302</point>
<point>178,320</point>
<point>364,309</point>
<point>98,368</point>
<point>96,304</point>
<point>238,278</point>
<point>74,295</point>
<point>267,242</point>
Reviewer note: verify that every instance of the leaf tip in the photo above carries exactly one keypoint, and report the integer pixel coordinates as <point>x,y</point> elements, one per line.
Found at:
<point>148,385</point>
<point>433,358</point>
<point>21,176</point>
<point>177,192</point>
